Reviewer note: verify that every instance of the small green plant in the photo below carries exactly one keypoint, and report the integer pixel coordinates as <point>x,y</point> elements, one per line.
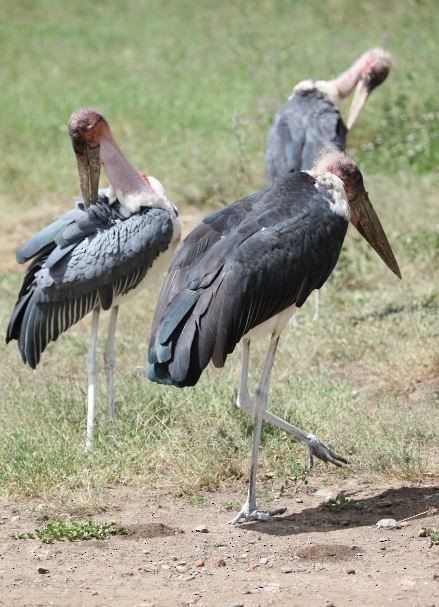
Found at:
<point>195,500</point>
<point>432,533</point>
<point>340,503</point>
<point>73,530</point>
<point>230,505</point>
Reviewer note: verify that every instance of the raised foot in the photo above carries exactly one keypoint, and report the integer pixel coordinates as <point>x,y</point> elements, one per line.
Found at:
<point>321,451</point>
<point>256,515</point>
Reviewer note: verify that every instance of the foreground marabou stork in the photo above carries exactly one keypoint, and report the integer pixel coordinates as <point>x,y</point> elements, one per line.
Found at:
<point>95,255</point>
<point>241,273</point>
<point>311,118</point>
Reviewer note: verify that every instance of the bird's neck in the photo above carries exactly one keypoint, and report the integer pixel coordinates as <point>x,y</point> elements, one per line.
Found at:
<point>346,81</point>
<point>129,188</point>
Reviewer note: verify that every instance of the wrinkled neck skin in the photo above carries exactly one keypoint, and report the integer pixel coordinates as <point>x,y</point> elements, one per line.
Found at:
<point>126,184</point>
<point>346,82</point>
<point>338,88</point>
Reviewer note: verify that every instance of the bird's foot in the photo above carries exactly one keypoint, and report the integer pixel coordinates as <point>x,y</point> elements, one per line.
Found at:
<point>248,514</point>
<point>321,451</point>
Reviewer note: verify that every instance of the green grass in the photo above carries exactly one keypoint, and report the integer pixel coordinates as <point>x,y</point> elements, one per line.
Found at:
<point>340,503</point>
<point>73,530</point>
<point>190,90</point>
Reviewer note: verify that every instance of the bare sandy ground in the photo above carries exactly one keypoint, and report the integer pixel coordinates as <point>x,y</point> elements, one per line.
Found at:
<point>310,556</point>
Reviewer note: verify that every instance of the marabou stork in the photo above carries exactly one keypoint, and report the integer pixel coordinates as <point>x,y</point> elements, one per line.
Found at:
<point>241,273</point>
<point>311,118</point>
<point>94,256</point>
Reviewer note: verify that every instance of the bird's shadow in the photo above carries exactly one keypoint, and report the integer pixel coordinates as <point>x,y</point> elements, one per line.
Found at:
<point>399,504</point>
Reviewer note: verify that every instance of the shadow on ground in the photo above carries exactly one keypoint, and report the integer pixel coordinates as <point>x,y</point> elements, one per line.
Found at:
<point>398,504</point>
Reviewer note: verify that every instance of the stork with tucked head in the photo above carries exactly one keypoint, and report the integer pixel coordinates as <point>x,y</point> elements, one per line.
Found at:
<point>311,117</point>
<point>241,273</point>
<point>93,257</point>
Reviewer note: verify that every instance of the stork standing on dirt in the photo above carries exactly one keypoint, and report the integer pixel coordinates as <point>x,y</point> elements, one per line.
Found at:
<point>94,256</point>
<point>311,118</point>
<point>241,273</point>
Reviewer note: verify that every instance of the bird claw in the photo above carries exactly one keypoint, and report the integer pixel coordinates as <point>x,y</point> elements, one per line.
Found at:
<point>321,451</point>
<point>256,515</point>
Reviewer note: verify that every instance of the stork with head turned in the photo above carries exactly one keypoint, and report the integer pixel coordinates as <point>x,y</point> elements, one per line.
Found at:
<point>96,255</point>
<point>241,273</point>
<point>311,117</point>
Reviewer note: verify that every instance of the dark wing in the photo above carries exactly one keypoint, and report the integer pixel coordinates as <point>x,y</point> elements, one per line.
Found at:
<point>301,128</point>
<point>285,246</point>
<point>90,261</point>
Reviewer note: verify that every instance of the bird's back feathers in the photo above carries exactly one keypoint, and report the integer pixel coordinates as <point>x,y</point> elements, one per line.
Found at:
<point>238,268</point>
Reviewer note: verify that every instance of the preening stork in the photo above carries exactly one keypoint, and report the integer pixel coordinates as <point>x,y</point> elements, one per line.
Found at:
<point>94,256</point>
<point>311,117</point>
<point>241,273</point>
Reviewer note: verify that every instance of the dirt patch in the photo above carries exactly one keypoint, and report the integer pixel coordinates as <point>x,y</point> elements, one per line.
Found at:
<point>309,557</point>
<point>149,530</point>
<point>328,552</point>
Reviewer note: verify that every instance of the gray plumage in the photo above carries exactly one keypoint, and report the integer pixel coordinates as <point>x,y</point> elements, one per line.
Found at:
<point>84,259</point>
<point>301,128</point>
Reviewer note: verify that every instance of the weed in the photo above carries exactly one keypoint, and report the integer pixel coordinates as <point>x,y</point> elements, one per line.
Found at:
<point>432,533</point>
<point>339,503</point>
<point>230,505</point>
<point>196,500</point>
<point>73,530</point>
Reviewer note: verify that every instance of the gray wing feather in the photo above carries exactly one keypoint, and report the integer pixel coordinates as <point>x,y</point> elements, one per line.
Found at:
<point>89,258</point>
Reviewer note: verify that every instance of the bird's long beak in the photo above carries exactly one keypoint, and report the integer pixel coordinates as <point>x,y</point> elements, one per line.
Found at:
<point>360,97</point>
<point>89,169</point>
<point>364,218</point>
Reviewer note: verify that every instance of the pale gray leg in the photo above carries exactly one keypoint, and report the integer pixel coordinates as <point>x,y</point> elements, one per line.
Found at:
<point>91,371</point>
<point>110,361</point>
<point>249,510</point>
<point>317,306</point>
<point>243,401</point>
<point>315,446</point>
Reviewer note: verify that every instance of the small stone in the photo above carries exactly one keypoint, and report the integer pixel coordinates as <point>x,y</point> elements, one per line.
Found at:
<point>345,523</point>
<point>271,588</point>
<point>42,570</point>
<point>436,577</point>
<point>350,571</point>
<point>286,570</point>
<point>182,563</point>
<point>299,500</point>
<point>180,568</point>
<point>200,563</point>
<point>263,560</point>
<point>422,533</point>
<point>218,561</point>
<point>201,529</point>
<point>384,539</point>
<point>238,604</point>
<point>388,523</point>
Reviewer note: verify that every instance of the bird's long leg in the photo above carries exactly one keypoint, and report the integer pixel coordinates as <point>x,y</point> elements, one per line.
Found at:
<point>249,510</point>
<point>91,371</point>
<point>244,401</point>
<point>317,306</point>
<point>315,446</point>
<point>110,360</point>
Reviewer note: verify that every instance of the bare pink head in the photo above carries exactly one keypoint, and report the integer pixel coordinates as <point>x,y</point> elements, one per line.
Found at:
<point>362,214</point>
